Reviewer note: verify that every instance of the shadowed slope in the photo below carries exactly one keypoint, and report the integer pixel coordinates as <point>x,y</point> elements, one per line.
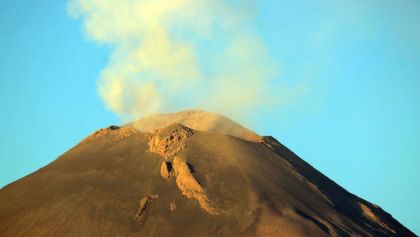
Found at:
<point>182,182</point>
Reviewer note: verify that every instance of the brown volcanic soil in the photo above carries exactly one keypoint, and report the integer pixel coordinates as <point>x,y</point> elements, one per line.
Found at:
<point>182,182</point>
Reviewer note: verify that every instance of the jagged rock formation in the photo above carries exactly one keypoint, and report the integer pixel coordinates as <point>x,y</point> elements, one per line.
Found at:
<point>168,143</point>
<point>190,187</point>
<point>144,206</point>
<point>166,169</point>
<point>189,183</point>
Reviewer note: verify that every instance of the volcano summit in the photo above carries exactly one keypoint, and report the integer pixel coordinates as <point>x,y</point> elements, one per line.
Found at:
<point>191,173</point>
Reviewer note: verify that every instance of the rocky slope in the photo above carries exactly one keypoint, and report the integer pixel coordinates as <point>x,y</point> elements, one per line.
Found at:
<point>175,180</point>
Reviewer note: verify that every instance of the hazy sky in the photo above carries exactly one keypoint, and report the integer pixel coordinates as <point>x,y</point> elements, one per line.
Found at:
<point>355,115</point>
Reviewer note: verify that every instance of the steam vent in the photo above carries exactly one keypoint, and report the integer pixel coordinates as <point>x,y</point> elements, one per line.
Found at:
<point>191,173</point>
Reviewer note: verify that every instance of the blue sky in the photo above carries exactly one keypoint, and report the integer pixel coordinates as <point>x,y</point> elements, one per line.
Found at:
<point>358,122</point>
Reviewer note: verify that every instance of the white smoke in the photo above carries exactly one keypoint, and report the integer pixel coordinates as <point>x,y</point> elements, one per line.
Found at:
<point>175,54</point>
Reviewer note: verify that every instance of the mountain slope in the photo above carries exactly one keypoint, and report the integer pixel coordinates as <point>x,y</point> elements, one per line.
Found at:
<point>177,181</point>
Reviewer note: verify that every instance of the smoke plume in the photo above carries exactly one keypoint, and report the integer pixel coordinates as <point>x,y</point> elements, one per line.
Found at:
<point>175,54</point>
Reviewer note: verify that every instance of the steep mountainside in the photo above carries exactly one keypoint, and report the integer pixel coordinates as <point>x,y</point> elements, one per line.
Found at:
<point>175,180</point>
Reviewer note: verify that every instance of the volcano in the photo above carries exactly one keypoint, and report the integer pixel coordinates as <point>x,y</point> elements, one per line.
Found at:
<point>191,173</point>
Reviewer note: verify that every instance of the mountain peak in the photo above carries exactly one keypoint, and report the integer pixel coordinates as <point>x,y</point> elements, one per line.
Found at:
<point>198,120</point>
<point>183,176</point>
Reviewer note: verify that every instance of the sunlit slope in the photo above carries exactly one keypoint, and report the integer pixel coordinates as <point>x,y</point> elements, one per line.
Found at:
<point>178,181</point>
